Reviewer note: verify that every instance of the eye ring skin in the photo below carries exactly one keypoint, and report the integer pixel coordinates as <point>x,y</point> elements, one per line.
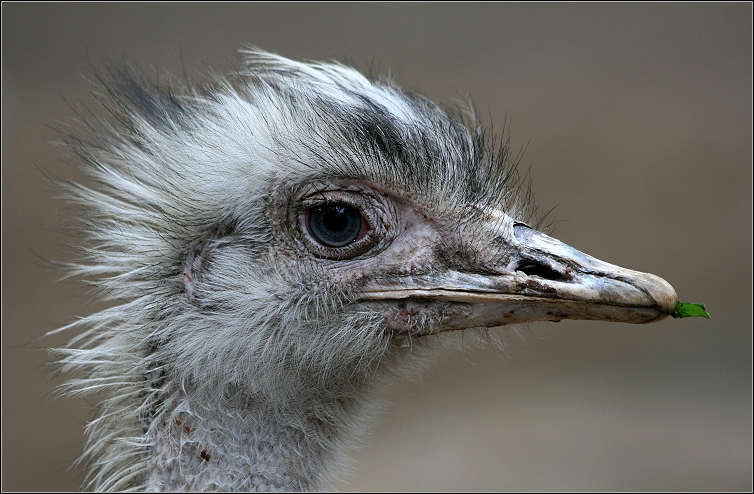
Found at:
<point>376,212</point>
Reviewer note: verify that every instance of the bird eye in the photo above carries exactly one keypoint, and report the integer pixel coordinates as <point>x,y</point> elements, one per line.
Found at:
<point>335,224</point>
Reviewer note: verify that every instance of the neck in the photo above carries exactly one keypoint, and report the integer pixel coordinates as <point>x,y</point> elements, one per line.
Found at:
<point>243,443</point>
<point>242,448</point>
<point>173,439</point>
<point>158,431</point>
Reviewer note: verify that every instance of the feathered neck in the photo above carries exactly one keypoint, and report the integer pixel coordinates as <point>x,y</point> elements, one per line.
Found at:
<point>243,447</point>
<point>161,434</point>
<point>156,430</point>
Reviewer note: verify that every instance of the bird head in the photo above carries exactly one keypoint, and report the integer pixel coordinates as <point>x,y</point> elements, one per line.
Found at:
<point>285,231</point>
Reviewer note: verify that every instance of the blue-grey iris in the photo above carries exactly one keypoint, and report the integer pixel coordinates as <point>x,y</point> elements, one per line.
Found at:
<point>335,224</point>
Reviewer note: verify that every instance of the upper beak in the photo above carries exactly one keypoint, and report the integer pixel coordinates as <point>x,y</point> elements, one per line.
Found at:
<point>543,280</point>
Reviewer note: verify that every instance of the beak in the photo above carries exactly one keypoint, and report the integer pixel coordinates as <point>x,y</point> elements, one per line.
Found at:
<point>542,279</point>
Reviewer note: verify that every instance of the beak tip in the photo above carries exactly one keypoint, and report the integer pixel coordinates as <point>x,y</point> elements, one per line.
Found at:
<point>662,293</point>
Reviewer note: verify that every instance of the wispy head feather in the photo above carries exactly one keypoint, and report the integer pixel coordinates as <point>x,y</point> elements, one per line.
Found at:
<point>179,237</point>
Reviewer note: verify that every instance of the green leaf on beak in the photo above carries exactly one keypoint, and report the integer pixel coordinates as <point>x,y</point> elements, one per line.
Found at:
<point>685,309</point>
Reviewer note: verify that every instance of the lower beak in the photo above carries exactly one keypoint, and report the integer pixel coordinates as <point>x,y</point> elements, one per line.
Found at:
<point>546,280</point>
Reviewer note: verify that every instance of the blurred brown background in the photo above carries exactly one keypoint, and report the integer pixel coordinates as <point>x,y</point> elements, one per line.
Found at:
<point>638,120</point>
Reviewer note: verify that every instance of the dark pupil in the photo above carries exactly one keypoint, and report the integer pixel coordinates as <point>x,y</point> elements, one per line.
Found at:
<point>334,225</point>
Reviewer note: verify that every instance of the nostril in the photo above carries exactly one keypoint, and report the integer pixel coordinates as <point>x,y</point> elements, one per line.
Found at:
<point>540,270</point>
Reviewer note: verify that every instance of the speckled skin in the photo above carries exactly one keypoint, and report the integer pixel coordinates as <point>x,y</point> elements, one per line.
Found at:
<point>233,452</point>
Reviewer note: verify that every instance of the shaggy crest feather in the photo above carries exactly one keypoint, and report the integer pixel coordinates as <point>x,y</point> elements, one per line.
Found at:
<point>232,359</point>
